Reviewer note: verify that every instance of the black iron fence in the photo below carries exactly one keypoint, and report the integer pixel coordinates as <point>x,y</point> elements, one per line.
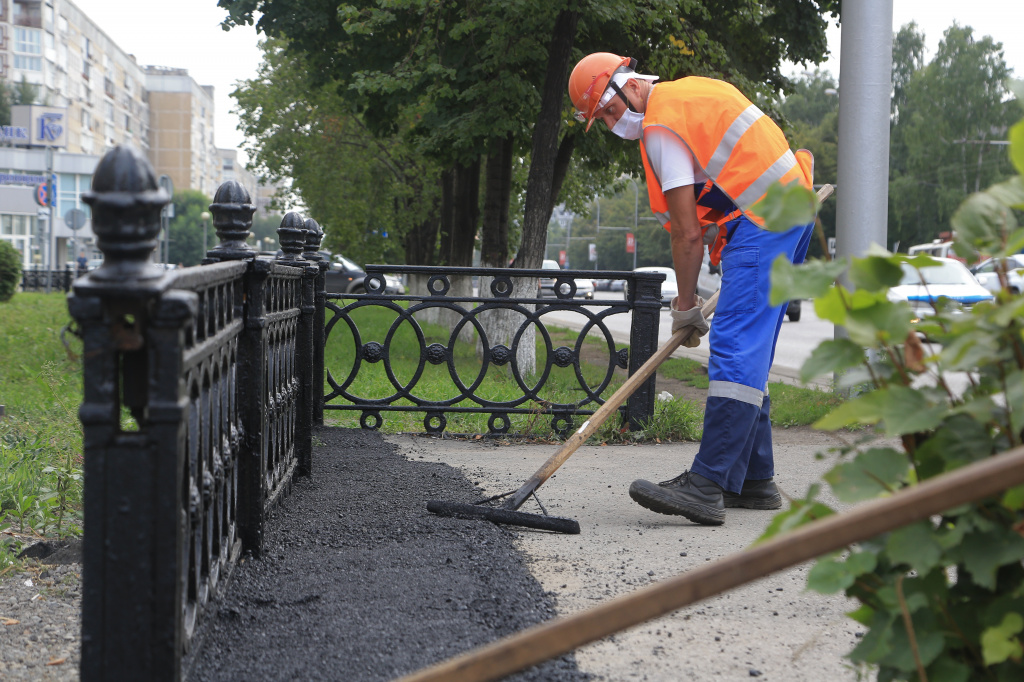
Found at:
<point>503,325</point>
<point>197,412</point>
<point>36,280</point>
<point>202,386</point>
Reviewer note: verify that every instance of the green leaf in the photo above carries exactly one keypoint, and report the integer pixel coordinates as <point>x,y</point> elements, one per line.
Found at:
<point>947,669</point>
<point>807,280</point>
<point>915,546</point>
<point>1000,642</point>
<point>800,512</point>
<point>871,473</point>
<point>1013,498</point>
<point>829,576</point>
<point>784,207</point>
<point>877,641</point>
<point>882,322</point>
<point>927,635</point>
<point>983,553</point>
<point>832,355</point>
<point>875,273</point>
<point>962,439</point>
<point>981,222</point>
<point>903,410</point>
<point>862,615</point>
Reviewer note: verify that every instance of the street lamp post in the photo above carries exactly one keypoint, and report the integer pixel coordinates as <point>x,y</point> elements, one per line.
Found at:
<point>49,217</point>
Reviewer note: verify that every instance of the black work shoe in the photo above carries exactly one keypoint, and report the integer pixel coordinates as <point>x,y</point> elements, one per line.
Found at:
<point>763,494</point>
<point>688,494</point>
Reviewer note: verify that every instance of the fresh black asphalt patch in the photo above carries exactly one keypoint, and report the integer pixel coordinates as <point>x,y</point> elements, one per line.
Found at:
<point>359,582</point>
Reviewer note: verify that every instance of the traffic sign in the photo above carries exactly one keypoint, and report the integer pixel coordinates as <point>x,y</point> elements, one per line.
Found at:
<point>630,243</point>
<point>75,218</point>
<point>43,195</point>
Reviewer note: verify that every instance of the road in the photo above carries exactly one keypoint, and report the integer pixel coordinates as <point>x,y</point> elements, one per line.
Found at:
<point>796,339</point>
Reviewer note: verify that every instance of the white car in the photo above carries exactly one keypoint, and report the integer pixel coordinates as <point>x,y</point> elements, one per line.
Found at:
<point>669,288</point>
<point>584,287</point>
<point>988,276</point>
<point>950,278</point>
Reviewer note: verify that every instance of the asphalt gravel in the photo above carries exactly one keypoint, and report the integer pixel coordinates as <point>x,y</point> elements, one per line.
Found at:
<point>359,582</point>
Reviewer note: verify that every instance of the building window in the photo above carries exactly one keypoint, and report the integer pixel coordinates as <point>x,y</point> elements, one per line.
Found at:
<point>85,70</point>
<point>69,192</point>
<point>110,111</point>
<point>27,40</point>
<point>127,123</point>
<point>28,13</point>
<point>88,48</point>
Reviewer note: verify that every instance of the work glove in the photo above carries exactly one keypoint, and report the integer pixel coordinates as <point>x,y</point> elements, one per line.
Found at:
<point>689,318</point>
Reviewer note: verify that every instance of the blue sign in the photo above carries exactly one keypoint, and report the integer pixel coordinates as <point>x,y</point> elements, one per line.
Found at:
<point>43,195</point>
<point>50,128</point>
<point>11,133</point>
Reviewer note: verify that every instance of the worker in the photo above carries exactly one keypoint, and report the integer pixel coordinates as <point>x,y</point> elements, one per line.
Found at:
<point>709,155</point>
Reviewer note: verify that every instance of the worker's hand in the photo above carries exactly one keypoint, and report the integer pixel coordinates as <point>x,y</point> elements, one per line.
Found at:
<point>689,318</point>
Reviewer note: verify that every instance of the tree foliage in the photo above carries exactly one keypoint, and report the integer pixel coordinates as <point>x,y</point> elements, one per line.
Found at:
<point>942,599</point>
<point>186,228</point>
<point>368,192</point>
<point>948,116</point>
<point>811,109</point>
<point>463,79</point>
<point>10,270</point>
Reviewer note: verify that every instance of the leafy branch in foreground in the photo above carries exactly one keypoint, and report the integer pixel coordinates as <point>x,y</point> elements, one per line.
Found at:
<point>943,600</point>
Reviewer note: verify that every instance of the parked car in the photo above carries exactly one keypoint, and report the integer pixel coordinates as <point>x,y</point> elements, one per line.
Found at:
<point>609,284</point>
<point>584,287</point>
<point>393,285</point>
<point>344,276</point>
<point>951,279</point>
<point>987,273</point>
<point>669,288</point>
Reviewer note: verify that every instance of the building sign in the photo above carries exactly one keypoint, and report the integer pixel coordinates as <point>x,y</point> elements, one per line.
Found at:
<point>46,126</point>
<point>23,179</point>
<point>14,134</point>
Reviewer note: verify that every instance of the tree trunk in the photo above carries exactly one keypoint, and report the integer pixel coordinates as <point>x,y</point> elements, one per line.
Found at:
<point>460,216</point>
<point>541,190</point>
<point>500,326</point>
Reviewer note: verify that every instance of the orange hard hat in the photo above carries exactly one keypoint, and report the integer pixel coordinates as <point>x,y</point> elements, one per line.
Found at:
<point>589,79</point>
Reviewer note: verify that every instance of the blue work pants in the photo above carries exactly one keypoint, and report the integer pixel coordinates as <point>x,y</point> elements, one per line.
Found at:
<point>737,441</point>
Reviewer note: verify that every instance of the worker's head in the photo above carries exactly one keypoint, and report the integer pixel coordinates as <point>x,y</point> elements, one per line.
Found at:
<point>604,86</point>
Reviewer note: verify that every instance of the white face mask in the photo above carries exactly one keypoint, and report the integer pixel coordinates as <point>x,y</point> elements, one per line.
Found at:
<point>630,125</point>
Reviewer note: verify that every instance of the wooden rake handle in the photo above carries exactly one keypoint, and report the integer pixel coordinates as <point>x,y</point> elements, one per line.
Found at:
<point>615,401</point>
<point>610,406</point>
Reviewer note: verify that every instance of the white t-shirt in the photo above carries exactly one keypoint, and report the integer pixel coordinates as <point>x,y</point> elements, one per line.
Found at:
<point>671,160</point>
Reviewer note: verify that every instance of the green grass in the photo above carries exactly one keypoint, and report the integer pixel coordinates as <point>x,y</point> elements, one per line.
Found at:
<point>791,405</point>
<point>40,438</point>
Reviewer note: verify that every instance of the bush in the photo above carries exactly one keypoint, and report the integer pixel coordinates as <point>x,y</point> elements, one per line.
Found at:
<point>10,270</point>
<point>942,599</point>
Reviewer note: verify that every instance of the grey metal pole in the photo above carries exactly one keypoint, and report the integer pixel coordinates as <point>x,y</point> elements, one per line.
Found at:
<point>865,89</point>
<point>50,264</point>
<point>636,210</point>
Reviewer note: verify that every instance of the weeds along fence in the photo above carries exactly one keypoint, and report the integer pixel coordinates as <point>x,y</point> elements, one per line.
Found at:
<point>502,317</point>
<point>197,413</point>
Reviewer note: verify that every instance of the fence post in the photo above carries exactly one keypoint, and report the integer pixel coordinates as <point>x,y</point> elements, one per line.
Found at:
<point>293,237</point>
<point>314,237</point>
<point>231,212</point>
<point>645,293</point>
<point>133,338</point>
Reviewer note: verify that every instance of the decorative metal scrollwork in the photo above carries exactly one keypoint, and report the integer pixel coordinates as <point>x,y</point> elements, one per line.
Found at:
<point>464,312</point>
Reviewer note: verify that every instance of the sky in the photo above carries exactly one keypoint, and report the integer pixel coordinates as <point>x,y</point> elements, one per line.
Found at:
<point>187,34</point>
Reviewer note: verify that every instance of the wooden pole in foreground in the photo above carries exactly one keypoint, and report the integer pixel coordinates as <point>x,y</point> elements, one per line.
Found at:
<point>554,638</point>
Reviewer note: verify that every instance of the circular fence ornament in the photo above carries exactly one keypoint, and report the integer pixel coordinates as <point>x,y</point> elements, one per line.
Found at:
<point>373,351</point>
<point>500,355</point>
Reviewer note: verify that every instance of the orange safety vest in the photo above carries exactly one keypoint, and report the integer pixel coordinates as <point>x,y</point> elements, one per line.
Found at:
<point>739,148</point>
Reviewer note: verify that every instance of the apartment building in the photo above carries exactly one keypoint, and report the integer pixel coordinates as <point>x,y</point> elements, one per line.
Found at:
<point>181,129</point>
<point>90,96</point>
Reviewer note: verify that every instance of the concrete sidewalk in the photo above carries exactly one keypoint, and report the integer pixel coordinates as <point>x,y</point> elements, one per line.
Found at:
<point>772,629</point>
